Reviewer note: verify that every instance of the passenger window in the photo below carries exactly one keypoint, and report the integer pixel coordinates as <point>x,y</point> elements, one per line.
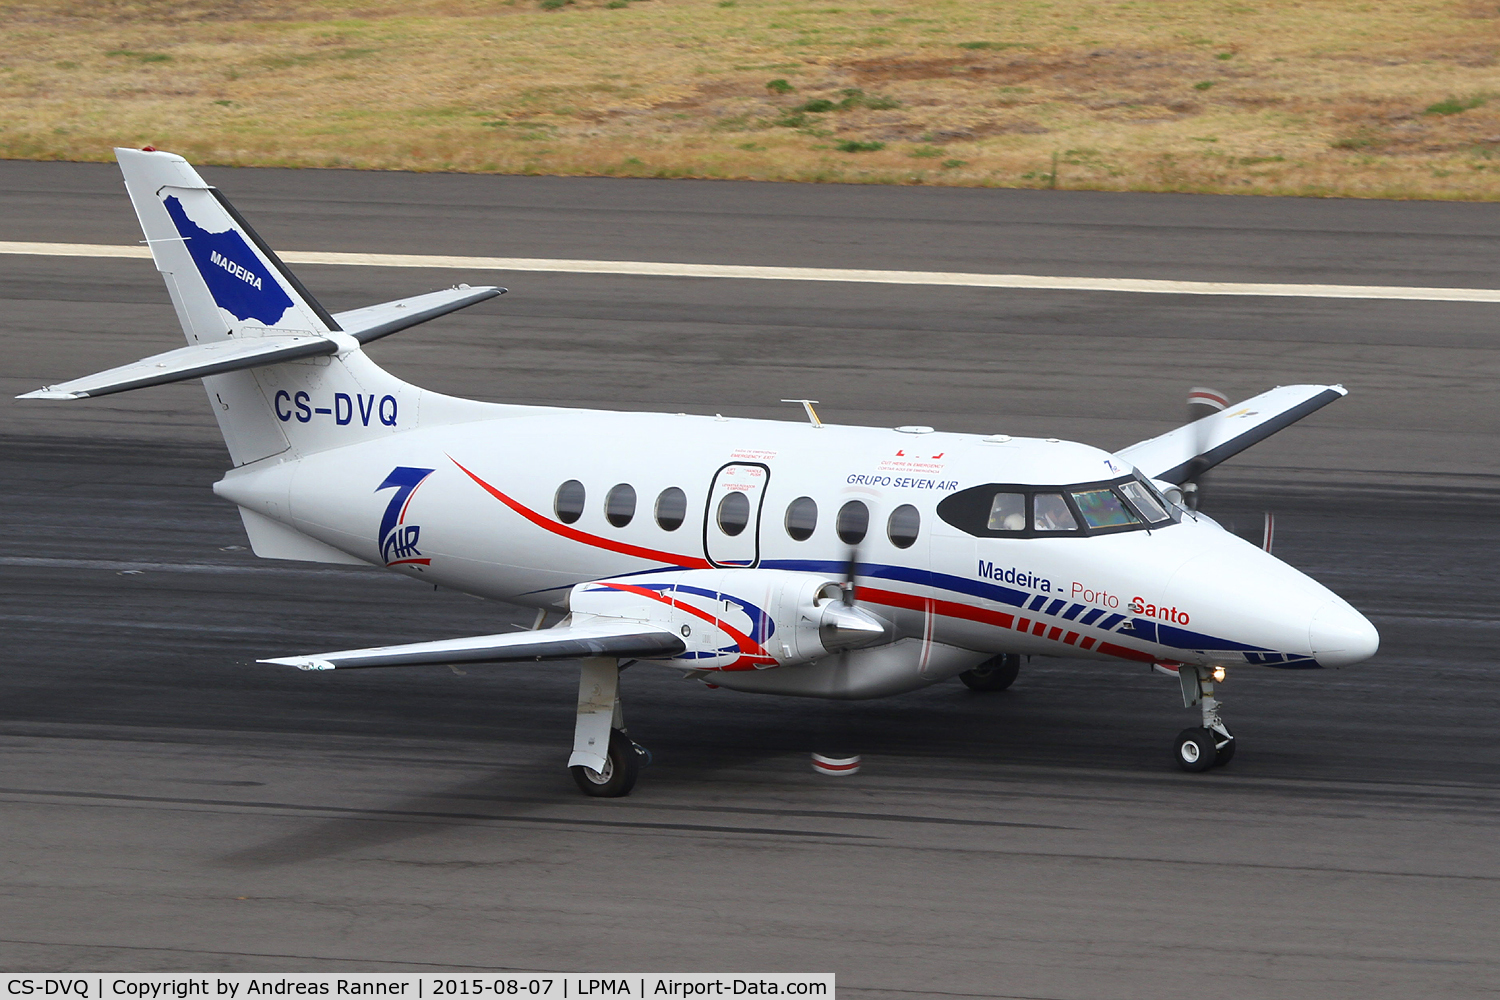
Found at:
<point>1008,512</point>
<point>903,526</point>
<point>568,504</point>
<point>1143,501</point>
<point>1050,512</point>
<point>734,513</point>
<point>671,509</point>
<point>801,518</point>
<point>1102,509</point>
<point>619,505</point>
<point>853,522</point>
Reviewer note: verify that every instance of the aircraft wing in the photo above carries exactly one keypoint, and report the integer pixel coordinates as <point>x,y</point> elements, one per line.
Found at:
<point>1199,446</point>
<point>599,637</point>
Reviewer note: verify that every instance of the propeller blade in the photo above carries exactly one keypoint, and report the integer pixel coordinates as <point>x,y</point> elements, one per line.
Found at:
<point>1201,402</point>
<point>851,570</point>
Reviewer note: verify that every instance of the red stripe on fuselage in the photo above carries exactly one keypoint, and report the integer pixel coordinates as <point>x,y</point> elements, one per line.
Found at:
<point>573,534</point>
<point>1000,619</point>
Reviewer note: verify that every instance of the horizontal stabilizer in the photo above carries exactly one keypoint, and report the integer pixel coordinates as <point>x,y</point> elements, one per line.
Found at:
<point>373,322</point>
<point>1199,446</point>
<point>195,361</point>
<point>597,637</point>
<point>239,353</point>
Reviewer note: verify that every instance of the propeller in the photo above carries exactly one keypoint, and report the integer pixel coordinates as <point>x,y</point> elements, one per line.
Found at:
<point>844,624</point>
<point>1201,402</point>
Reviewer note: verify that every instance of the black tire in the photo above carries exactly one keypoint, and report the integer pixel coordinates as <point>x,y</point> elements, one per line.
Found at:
<point>1225,752</point>
<point>1195,749</point>
<point>994,674</point>
<point>622,766</point>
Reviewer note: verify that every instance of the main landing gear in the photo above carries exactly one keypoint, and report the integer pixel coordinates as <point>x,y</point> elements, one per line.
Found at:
<point>605,761</point>
<point>1211,744</point>
<point>995,674</point>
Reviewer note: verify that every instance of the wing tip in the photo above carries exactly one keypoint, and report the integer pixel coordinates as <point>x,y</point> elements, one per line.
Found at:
<point>52,392</point>
<point>300,662</point>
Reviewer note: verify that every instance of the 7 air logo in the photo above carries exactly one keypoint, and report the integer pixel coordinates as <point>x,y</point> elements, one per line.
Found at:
<point>398,540</point>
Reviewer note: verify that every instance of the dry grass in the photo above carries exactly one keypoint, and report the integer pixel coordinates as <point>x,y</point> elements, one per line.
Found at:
<point>1320,97</point>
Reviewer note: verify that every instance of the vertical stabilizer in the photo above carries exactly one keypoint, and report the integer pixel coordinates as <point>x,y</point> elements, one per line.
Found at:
<point>225,281</point>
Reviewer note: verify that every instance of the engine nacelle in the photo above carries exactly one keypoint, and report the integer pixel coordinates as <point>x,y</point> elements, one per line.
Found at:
<point>737,619</point>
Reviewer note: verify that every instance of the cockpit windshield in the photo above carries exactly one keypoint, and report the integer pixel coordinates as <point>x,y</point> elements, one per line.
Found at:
<point>1014,511</point>
<point>1103,509</point>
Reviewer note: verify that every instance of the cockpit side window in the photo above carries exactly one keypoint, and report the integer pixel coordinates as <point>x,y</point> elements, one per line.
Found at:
<point>1144,501</point>
<point>1050,513</point>
<point>1007,512</point>
<point>1103,509</point>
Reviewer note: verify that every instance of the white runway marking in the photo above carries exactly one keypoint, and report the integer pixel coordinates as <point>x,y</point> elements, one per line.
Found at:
<point>1158,286</point>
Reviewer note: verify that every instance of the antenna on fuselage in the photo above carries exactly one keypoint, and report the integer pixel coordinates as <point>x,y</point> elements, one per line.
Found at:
<point>807,404</point>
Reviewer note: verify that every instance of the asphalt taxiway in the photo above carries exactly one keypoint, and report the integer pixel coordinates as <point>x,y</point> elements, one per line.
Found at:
<point>169,804</point>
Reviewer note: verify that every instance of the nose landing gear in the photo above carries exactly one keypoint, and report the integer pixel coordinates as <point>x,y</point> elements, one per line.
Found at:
<point>1211,744</point>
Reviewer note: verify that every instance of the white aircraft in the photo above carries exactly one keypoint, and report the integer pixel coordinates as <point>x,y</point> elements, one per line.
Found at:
<point>793,558</point>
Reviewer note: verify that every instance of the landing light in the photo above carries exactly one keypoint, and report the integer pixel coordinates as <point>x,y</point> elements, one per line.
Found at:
<point>1219,673</point>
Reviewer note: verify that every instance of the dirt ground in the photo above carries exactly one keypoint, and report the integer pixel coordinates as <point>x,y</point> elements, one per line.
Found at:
<point>1311,97</point>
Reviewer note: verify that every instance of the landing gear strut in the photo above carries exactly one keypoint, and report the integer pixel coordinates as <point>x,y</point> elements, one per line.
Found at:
<point>994,674</point>
<point>605,761</point>
<point>1211,744</point>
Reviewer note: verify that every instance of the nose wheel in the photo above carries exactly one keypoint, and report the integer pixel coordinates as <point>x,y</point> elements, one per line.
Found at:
<point>1211,744</point>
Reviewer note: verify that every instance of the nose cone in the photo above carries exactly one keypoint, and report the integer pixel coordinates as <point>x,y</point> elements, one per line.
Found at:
<point>1341,636</point>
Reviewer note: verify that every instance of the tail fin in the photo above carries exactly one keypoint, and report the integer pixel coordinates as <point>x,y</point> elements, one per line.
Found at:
<point>223,278</point>
<point>280,371</point>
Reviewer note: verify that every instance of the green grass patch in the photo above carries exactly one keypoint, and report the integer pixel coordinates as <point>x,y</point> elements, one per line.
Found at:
<point>145,57</point>
<point>855,146</point>
<point>1455,105</point>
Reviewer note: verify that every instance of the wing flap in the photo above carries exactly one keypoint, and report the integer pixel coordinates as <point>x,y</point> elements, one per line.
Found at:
<point>1205,443</point>
<point>565,642</point>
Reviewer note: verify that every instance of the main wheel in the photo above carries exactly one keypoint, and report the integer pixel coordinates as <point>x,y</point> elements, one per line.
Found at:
<point>1195,749</point>
<point>621,767</point>
<point>994,674</point>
